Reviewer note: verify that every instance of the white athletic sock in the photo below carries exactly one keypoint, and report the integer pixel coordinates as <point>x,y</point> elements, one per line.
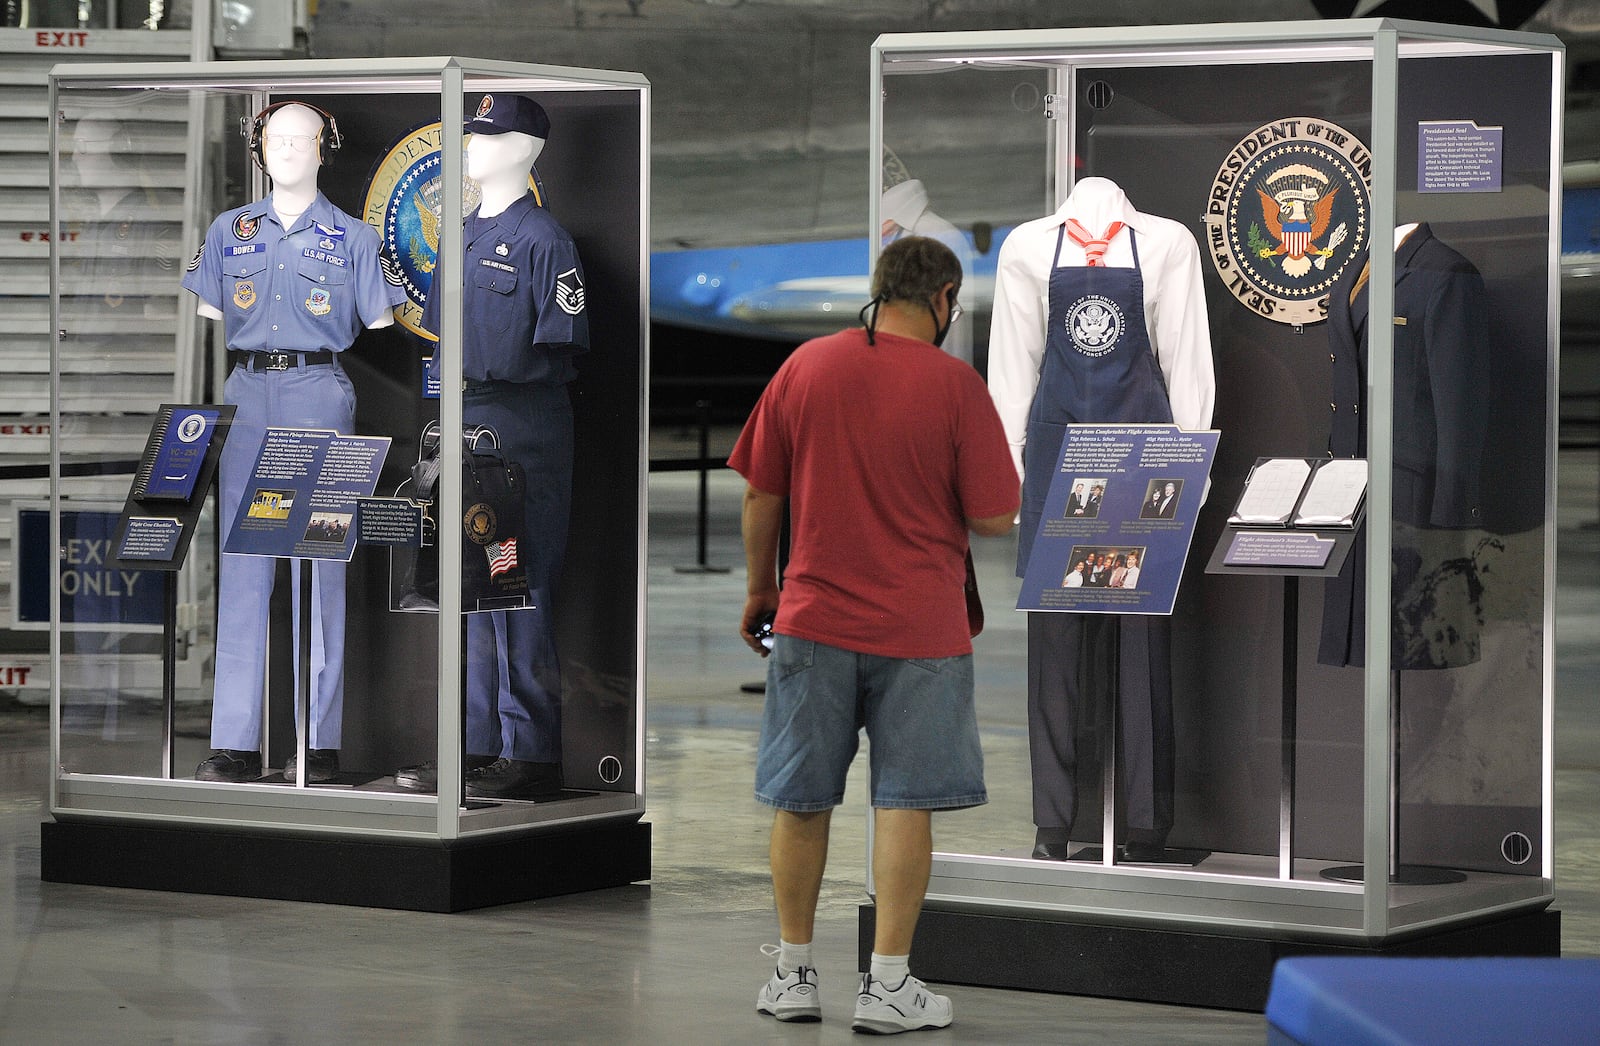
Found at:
<point>793,956</point>
<point>892,970</point>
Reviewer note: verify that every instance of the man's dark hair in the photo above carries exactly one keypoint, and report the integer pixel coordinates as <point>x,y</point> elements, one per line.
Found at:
<point>913,269</point>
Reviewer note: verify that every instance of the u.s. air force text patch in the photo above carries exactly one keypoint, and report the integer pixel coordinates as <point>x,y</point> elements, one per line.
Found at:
<point>1287,211</point>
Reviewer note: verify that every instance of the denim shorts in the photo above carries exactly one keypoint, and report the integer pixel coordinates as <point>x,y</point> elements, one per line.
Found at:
<point>922,731</point>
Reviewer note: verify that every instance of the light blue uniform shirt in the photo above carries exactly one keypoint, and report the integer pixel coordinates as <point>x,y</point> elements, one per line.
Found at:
<point>310,288</point>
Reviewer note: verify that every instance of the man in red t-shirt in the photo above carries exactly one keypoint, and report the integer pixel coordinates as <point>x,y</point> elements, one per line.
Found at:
<point>886,451</point>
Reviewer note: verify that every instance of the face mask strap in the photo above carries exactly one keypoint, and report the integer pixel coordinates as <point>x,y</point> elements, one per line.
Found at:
<point>870,322</point>
<point>940,333</point>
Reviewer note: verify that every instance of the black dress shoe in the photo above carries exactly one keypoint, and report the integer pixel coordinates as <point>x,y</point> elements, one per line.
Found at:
<point>424,777</point>
<point>514,779</point>
<point>322,764</point>
<point>1050,844</point>
<point>230,765</point>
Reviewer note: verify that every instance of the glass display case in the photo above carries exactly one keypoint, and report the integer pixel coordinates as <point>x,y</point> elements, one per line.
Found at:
<point>491,690</point>
<point>1314,793</point>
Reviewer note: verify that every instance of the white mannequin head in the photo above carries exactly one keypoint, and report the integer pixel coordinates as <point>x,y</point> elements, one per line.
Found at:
<point>291,147</point>
<point>500,163</point>
<point>502,155</point>
<point>100,148</point>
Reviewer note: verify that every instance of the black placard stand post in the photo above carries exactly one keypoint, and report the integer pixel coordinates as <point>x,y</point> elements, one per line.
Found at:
<point>169,674</point>
<point>303,684</point>
<point>1290,576</point>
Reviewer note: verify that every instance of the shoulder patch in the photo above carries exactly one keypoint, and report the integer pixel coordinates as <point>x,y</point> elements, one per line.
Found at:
<point>194,263</point>
<point>392,273</point>
<point>569,292</point>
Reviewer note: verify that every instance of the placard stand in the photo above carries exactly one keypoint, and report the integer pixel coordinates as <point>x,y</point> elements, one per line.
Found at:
<point>178,519</point>
<point>1343,539</point>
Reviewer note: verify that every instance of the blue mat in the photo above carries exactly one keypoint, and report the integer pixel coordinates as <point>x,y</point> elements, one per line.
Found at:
<point>1322,1001</point>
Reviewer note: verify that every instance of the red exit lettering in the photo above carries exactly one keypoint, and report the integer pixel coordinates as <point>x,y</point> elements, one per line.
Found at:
<point>63,38</point>
<point>14,675</point>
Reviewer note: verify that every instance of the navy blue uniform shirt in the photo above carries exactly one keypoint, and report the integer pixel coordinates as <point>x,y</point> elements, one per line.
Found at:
<point>525,312</point>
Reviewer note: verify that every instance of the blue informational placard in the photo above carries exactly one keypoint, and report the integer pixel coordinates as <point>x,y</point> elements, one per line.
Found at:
<point>1118,520</point>
<point>430,381</point>
<point>1459,156</point>
<point>301,499</point>
<point>96,593</point>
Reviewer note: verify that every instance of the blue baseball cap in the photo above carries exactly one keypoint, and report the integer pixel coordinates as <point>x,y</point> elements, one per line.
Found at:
<point>500,113</point>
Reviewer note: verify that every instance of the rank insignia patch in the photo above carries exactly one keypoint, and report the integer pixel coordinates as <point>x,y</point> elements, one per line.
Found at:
<point>1287,212</point>
<point>194,263</point>
<point>244,294</point>
<point>392,273</point>
<point>245,226</point>
<point>569,292</point>
<point>319,304</point>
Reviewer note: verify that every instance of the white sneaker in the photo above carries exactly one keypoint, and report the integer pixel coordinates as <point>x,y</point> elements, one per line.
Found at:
<point>909,1007</point>
<point>791,996</point>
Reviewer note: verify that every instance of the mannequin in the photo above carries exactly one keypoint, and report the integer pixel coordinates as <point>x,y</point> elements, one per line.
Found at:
<point>905,212</point>
<point>525,322</point>
<point>117,238</point>
<point>294,280</point>
<point>1155,368</point>
<point>1441,417</point>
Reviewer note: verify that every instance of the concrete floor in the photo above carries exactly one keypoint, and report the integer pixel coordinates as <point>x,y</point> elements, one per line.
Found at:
<point>673,961</point>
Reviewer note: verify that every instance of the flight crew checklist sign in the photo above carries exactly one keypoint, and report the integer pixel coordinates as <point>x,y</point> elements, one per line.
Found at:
<point>1118,520</point>
<point>301,498</point>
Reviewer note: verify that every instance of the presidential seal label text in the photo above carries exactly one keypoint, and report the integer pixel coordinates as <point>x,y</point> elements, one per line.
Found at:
<point>1287,212</point>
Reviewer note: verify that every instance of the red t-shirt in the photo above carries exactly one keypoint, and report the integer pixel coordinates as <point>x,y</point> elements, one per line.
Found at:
<point>884,452</point>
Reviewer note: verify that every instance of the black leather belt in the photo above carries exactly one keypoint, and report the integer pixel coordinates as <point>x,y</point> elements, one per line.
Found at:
<point>259,361</point>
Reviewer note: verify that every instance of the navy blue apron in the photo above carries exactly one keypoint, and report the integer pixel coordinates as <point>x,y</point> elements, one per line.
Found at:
<point>1098,367</point>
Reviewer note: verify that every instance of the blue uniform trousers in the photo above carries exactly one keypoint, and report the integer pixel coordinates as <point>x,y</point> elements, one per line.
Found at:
<point>315,397</point>
<point>513,672</point>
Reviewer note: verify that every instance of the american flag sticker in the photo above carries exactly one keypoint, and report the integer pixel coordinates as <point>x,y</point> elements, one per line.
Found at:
<point>502,556</point>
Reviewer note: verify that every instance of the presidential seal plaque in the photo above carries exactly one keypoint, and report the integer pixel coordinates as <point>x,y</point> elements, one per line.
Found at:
<point>1286,215</point>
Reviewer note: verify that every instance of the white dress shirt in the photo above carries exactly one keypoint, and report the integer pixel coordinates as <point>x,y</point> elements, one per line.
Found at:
<point>1174,304</point>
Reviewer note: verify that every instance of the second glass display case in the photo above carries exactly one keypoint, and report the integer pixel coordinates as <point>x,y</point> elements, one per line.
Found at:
<point>1284,182</point>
